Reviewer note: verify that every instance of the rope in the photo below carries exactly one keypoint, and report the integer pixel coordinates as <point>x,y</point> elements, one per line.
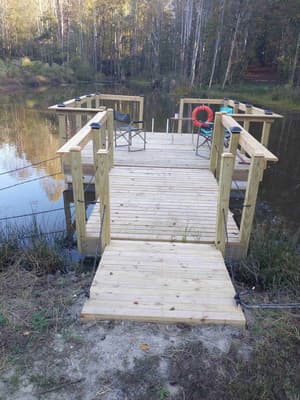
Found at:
<point>30,180</point>
<point>32,214</point>
<point>43,234</point>
<point>28,166</point>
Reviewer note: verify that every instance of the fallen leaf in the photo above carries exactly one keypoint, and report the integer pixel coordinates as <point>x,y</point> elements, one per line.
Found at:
<point>144,346</point>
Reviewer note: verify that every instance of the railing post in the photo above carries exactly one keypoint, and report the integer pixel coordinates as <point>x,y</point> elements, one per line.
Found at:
<point>266,130</point>
<point>141,111</point>
<point>246,124</point>
<point>255,176</point>
<point>227,164</point>
<point>110,135</point>
<point>97,100</point>
<point>248,111</point>
<point>103,176</point>
<point>217,146</point>
<point>236,107</point>
<point>62,128</point>
<point>266,134</point>
<point>234,140</point>
<point>181,105</point>
<point>78,120</point>
<point>88,101</point>
<point>78,194</point>
<point>96,146</point>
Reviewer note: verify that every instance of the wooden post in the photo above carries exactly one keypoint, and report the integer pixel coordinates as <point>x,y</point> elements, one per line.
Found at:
<point>141,111</point>
<point>234,140</point>
<point>217,146</point>
<point>255,176</point>
<point>97,100</point>
<point>96,146</point>
<point>181,105</point>
<point>78,122</point>
<point>103,131</point>
<point>248,111</point>
<point>103,177</point>
<point>266,133</point>
<point>110,135</point>
<point>236,107</point>
<point>88,101</point>
<point>62,129</point>
<point>227,164</point>
<point>78,194</point>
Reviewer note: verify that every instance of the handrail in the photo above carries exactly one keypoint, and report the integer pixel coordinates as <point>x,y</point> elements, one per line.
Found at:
<point>237,106</point>
<point>82,137</point>
<point>247,141</point>
<point>222,165</point>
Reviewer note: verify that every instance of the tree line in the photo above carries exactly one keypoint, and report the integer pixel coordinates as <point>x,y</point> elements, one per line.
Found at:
<point>200,42</point>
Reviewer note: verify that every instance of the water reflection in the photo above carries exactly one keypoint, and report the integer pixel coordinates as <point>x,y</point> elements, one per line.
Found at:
<point>27,137</point>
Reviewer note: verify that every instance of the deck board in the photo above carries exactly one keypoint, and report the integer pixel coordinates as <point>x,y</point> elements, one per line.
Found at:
<point>162,282</point>
<point>162,204</point>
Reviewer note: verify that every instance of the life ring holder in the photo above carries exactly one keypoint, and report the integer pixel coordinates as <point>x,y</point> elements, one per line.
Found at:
<point>208,110</point>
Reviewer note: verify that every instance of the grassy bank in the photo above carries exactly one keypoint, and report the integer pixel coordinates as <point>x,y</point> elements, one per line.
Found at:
<point>280,98</point>
<point>25,72</point>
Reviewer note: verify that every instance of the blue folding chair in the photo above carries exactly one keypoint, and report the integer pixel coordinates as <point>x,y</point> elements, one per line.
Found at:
<point>206,130</point>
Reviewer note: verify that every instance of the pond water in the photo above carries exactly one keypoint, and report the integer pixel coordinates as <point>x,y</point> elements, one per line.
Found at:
<point>29,135</point>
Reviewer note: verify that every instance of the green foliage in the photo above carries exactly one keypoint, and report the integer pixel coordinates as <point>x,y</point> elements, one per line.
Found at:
<point>34,73</point>
<point>40,321</point>
<point>82,70</point>
<point>3,320</point>
<point>273,260</point>
<point>163,393</point>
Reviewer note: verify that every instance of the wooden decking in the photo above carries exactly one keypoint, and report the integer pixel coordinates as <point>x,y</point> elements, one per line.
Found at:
<point>165,219</point>
<point>162,282</point>
<point>162,264</point>
<point>161,204</point>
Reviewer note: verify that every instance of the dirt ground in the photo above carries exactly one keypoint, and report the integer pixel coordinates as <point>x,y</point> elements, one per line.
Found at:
<point>47,353</point>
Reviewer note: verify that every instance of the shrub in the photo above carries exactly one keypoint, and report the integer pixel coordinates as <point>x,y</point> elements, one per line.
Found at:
<point>273,260</point>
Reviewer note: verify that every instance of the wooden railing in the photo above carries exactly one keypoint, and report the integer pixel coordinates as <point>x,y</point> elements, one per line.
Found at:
<point>222,165</point>
<point>90,104</point>
<point>242,112</point>
<point>99,130</point>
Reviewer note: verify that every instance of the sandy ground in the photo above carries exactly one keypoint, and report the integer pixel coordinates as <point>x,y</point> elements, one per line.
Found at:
<point>69,359</point>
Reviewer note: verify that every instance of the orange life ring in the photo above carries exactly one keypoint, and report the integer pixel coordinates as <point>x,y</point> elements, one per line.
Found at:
<point>210,115</point>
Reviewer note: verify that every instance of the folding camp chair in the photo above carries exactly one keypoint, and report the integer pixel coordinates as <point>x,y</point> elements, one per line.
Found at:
<point>206,130</point>
<point>131,130</point>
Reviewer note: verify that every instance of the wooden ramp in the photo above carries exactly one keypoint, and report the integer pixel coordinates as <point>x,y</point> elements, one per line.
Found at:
<point>163,282</point>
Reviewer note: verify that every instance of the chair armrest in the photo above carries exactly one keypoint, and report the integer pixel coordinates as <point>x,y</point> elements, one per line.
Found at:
<point>137,122</point>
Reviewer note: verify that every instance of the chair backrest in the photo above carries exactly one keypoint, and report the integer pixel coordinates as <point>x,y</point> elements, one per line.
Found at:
<point>227,109</point>
<point>122,117</point>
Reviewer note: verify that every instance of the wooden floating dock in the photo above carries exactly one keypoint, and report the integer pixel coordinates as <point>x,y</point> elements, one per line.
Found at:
<point>162,218</point>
